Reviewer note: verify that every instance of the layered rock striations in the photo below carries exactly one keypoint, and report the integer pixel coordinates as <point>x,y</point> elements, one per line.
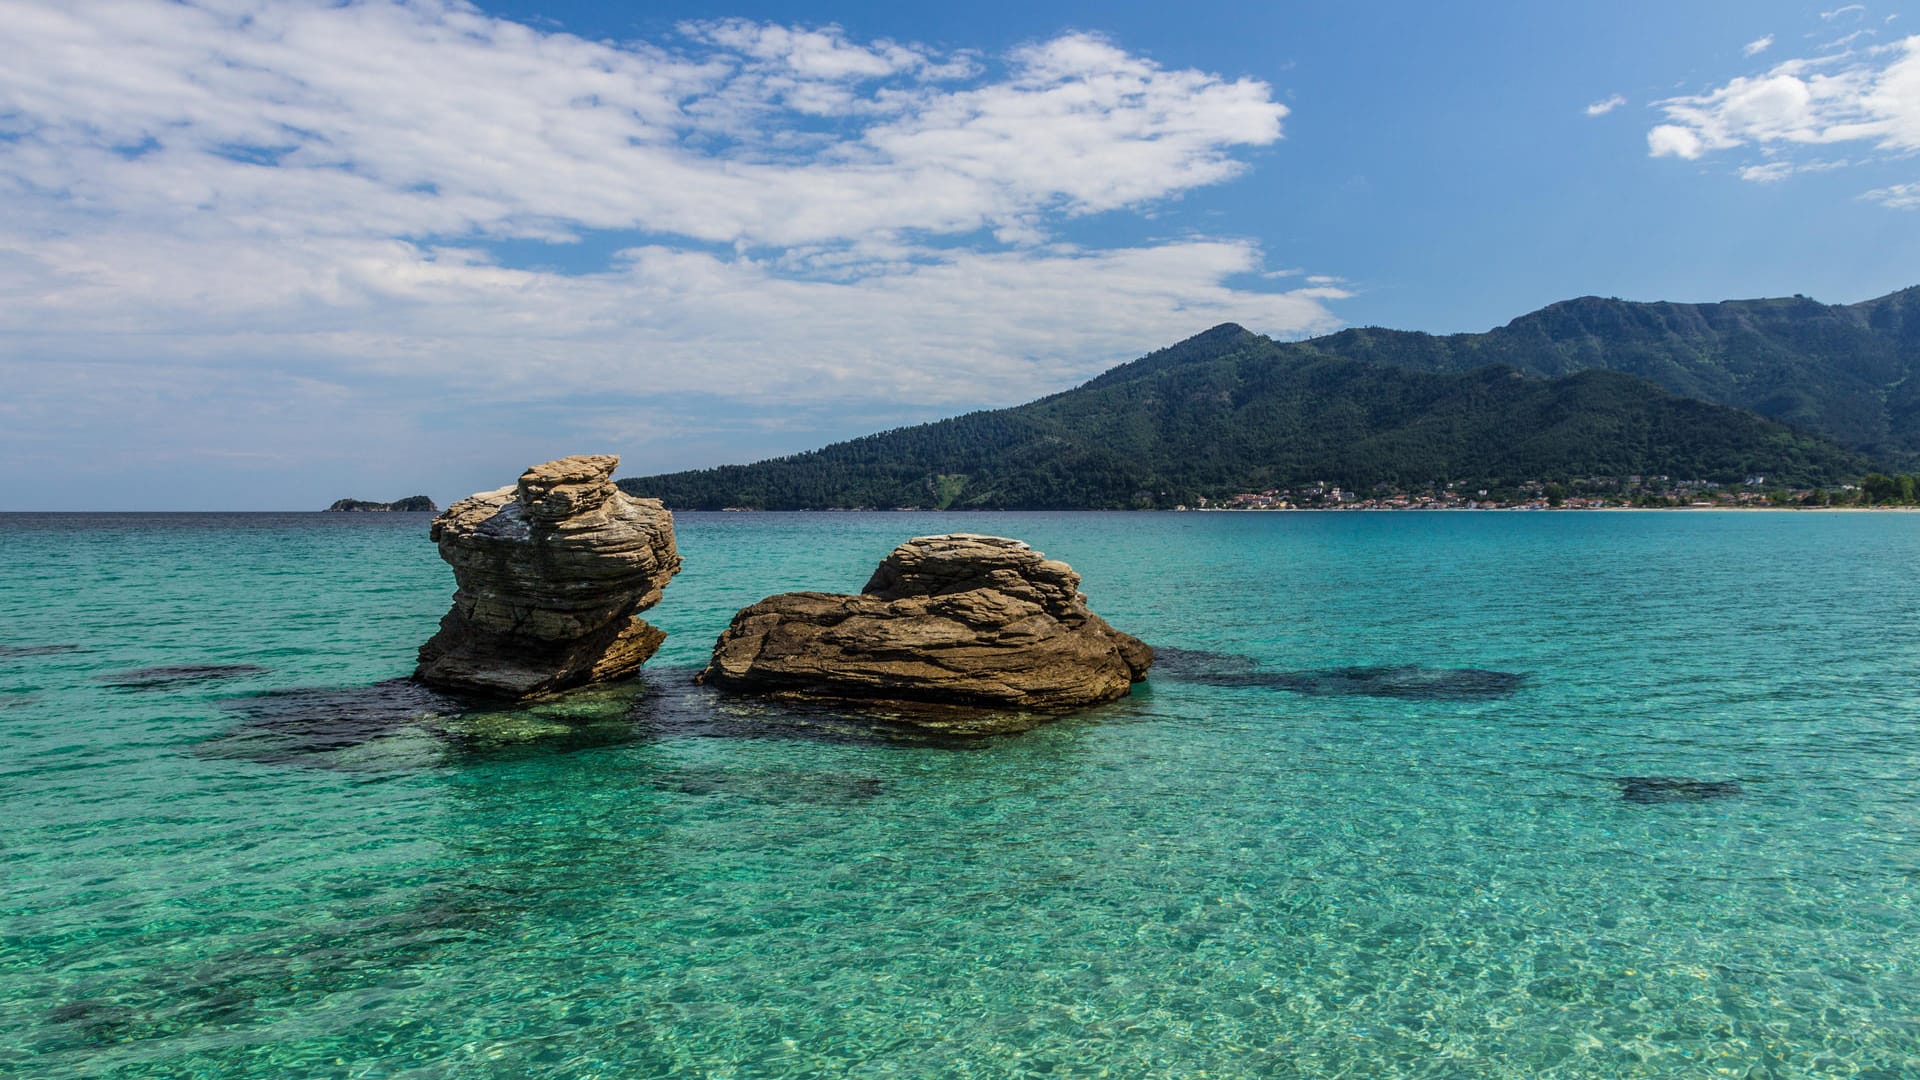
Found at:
<point>551,572</point>
<point>955,619</point>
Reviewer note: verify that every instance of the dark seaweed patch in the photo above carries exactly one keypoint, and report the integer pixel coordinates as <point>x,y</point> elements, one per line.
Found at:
<point>1389,681</point>
<point>288,726</point>
<point>154,678</point>
<point>1201,663</point>
<point>415,726</point>
<point>786,785</point>
<point>1666,789</point>
<point>8,652</point>
<point>1405,681</point>
<point>176,998</point>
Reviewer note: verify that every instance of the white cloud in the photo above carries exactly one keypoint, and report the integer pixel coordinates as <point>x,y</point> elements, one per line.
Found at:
<point>1668,140</point>
<point>441,119</point>
<point>1870,97</point>
<point>1898,196</point>
<point>279,189</point>
<point>1606,105</point>
<point>1855,10</point>
<point>1757,46</point>
<point>934,326</point>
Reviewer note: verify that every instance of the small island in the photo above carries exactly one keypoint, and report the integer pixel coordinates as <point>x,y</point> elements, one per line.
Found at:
<point>412,504</point>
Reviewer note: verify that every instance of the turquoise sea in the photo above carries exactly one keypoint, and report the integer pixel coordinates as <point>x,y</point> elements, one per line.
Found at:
<point>1426,794</point>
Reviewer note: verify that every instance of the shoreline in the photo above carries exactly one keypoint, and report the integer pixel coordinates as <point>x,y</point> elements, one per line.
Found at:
<point>1531,510</point>
<point>1077,510</point>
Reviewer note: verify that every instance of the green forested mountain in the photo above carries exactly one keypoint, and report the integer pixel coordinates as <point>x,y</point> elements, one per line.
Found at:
<point>1231,411</point>
<point>1844,371</point>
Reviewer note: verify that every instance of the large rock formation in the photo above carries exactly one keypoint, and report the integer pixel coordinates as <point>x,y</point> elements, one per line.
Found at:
<point>957,619</point>
<point>551,572</point>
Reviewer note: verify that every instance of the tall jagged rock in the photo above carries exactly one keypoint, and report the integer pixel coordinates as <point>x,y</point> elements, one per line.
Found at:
<point>954,619</point>
<point>550,574</point>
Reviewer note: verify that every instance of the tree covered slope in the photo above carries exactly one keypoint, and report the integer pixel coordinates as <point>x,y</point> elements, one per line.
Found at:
<point>1843,371</point>
<point>1230,411</point>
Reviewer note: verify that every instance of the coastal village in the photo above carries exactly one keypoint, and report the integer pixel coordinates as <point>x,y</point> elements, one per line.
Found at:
<point>1591,493</point>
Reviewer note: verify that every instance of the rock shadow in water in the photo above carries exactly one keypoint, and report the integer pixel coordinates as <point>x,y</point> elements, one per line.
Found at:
<point>8,652</point>
<point>1667,789</point>
<point>1407,681</point>
<point>156,678</point>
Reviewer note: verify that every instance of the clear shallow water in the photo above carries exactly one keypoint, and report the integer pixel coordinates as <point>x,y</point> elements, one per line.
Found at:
<point>204,875</point>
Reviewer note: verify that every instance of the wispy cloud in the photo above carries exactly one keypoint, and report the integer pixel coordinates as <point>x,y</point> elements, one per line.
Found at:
<point>1769,173</point>
<point>1757,46</point>
<point>277,189</point>
<point>1898,196</point>
<point>1855,10</point>
<point>1774,171</point>
<point>1606,105</point>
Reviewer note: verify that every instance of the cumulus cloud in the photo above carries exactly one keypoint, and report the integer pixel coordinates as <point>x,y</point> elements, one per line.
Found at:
<point>1606,105</point>
<point>1870,98</point>
<point>1671,140</point>
<point>1757,46</point>
<point>292,190</point>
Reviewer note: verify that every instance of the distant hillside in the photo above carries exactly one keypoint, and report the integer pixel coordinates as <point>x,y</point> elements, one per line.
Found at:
<point>1844,371</point>
<point>1230,411</point>
<point>412,504</point>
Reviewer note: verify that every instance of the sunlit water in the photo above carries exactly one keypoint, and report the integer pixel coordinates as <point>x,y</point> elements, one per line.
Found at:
<point>1668,823</point>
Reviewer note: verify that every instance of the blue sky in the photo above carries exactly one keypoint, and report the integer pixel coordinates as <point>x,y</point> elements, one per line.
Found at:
<point>265,254</point>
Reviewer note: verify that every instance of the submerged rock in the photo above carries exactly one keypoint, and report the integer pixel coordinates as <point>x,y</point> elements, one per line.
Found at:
<point>551,572</point>
<point>957,619</point>
<point>1661,789</point>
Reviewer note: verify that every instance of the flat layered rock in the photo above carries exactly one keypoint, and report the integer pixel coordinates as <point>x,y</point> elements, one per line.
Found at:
<point>958,619</point>
<point>551,572</point>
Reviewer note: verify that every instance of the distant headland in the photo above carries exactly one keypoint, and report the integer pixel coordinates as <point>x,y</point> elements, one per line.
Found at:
<point>412,504</point>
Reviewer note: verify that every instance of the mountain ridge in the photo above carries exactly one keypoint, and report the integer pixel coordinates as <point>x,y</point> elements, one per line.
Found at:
<point>1229,410</point>
<point>1845,371</point>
